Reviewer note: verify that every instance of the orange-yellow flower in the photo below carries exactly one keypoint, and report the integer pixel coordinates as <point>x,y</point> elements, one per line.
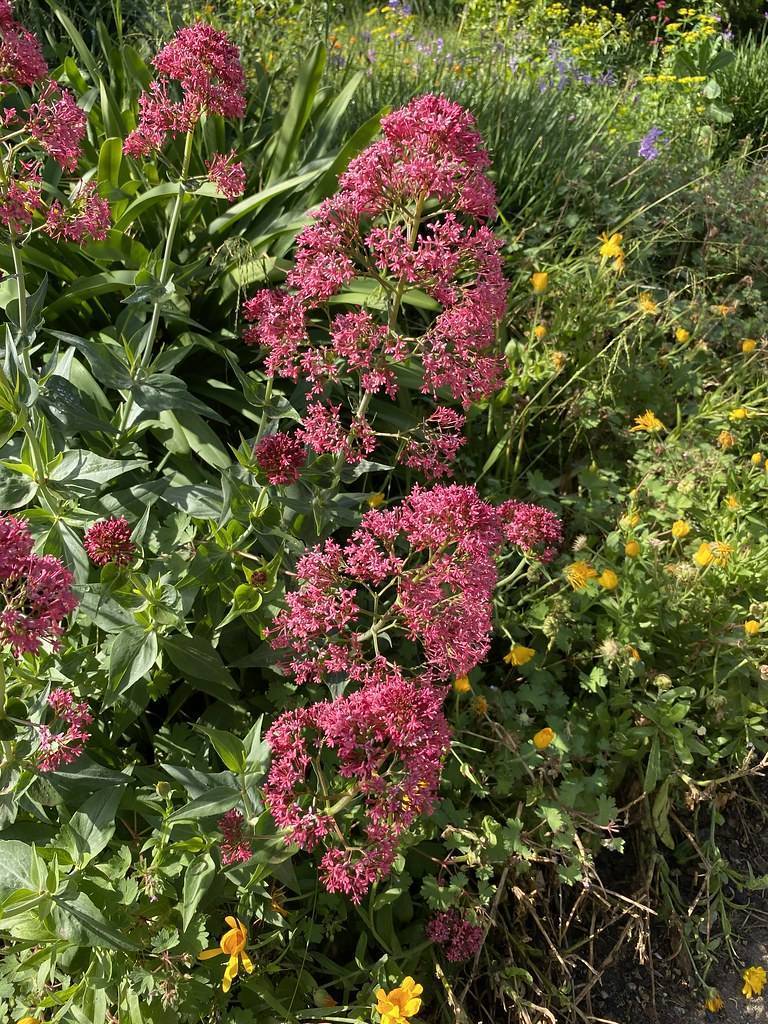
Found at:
<point>540,331</point>
<point>611,249</point>
<point>231,944</point>
<point>375,500</point>
<point>739,414</point>
<point>754,981</point>
<point>680,529</point>
<point>608,579</point>
<point>519,655</point>
<point>748,345</point>
<point>703,555</point>
<point>724,310</point>
<point>731,501</point>
<point>646,304</point>
<point>722,552</point>
<point>558,360</point>
<point>579,574</point>
<point>726,439</point>
<point>714,1002</point>
<point>648,422</point>
<point>543,738</point>
<point>539,282</point>
<point>682,335</point>
<point>751,627</point>
<point>29,1020</point>
<point>399,1004</point>
<point>631,549</point>
<point>756,458</point>
<point>462,684</point>
<point>480,705</point>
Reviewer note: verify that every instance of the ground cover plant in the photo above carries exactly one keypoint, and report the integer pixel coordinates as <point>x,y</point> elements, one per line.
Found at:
<point>383,476</point>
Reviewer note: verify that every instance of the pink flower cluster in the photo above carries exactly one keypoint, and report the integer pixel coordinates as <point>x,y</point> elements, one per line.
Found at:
<point>410,213</point>
<point>281,457</point>
<point>205,65</point>
<point>110,541</point>
<point>533,528</point>
<point>20,198</point>
<point>389,741</point>
<point>35,591</point>
<point>58,124</point>
<point>429,567</point>
<point>227,174</point>
<point>64,747</point>
<point>21,59</point>
<point>86,217</point>
<point>460,938</point>
<point>235,847</point>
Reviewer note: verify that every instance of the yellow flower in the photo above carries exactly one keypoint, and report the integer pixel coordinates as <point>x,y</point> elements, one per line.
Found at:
<point>631,549</point>
<point>754,981</point>
<point>608,579</point>
<point>29,1020</point>
<point>633,652</point>
<point>376,499</point>
<point>680,529</point>
<point>714,1002</point>
<point>519,655</point>
<point>682,335</point>
<point>748,345</point>
<point>646,304</point>
<point>540,331</point>
<point>579,574</point>
<point>539,282</point>
<point>399,1004</point>
<point>462,684</point>
<point>703,555</point>
<point>649,422</point>
<point>756,458</point>
<point>721,552</point>
<point>739,414</point>
<point>558,359</point>
<point>726,439</point>
<point>630,519</point>
<point>611,247</point>
<point>231,944</point>
<point>751,627</point>
<point>724,310</point>
<point>731,501</point>
<point>480,705</point>
<point>543,738</point>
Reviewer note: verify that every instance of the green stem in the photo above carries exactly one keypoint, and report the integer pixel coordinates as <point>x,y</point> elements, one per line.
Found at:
<point>21,289</point>
<point>145,352</point>
<point>264,415</point>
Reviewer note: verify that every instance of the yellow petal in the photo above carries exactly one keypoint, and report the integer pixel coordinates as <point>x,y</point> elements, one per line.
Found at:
<point>232,921</point>
<point>412,1007</point>
<point>247,964</point>
<point>208,953</point>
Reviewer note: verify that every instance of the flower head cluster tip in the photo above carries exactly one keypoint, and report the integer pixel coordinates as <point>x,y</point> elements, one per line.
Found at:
<point>459,938</point>
<point>110,541</point>
<point>64,747</point>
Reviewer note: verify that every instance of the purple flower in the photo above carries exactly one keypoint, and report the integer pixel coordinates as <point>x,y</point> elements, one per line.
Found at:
<point>648,149</point>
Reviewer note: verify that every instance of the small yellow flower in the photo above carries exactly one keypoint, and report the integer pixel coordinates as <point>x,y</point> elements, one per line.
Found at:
<point>756,458</point>
<point>721,552</point>
<point>540,331</point>
<point>480,705</point>
<point>731,501</point>
<point>399,1004</point>
<point>646,304</point>
<point>682,335</point>
<point>754,981</point>
<point>703,555</point>
<point>631,549</point>
<point>539,282</point>
<point>680,529</point>
<point>579,574</point>
<point>231,944</point>
<point>462,684</point>
<point>375,500</point>
<point>648,422</point>
<point>543,738</point>
<point>726,439</point>
<point>611,249</point>
<point>751,627</point>
<point>519,655</point>
<point>29,1020</point>
<point>739,414</point>
<point>748,345</point>
<point>714,1002</point>
<point>724,310</point>
<point>608,579</point>
<point>558,360</point>
<point>633,652</point>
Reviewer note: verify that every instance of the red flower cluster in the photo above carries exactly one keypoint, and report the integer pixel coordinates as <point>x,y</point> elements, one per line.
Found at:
<point>390,740</point>
<point>206,66</point>
<point>60,748</point>
<point>227,174</point>
<point>409,214</point>
<point>21,59</point>
<point>86,217</point>
<point>429,568</point>
<point>35,591</point>
<point>58,124</point>
<point>281,458</point>
<point>460,938</point>
<point>110,541</point>
<point>533,528</point>
<point>235,847</point>
<point>20,198</point>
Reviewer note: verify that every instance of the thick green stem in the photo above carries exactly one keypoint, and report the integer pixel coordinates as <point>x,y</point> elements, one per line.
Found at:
<point>145,352</point>
<point>265,413</point>
<point>21,289</point>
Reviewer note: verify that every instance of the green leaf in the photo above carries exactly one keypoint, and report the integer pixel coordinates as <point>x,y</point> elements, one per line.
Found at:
<point>653,768</point>
<point>228,746</point>
<point>15,866</point>
<point>197,879</point>
<point>91,828</point>
<point>215,802</point>
<point>81,922</point>
<point>297,114</point>
<point>133,654</point>
<point>660,814</point>
<point>79,467</point>
<point>196,658</point>
<point>254,202</point>
<point>110,160</point>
